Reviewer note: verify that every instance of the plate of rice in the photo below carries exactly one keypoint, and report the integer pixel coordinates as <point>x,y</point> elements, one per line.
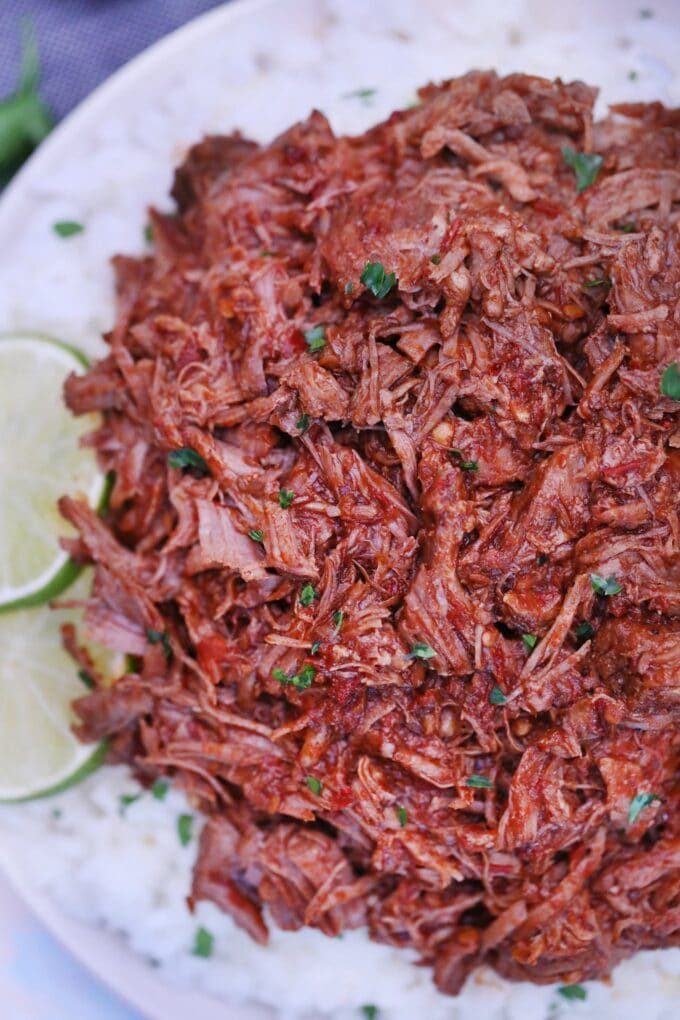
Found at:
<point>258,814</point>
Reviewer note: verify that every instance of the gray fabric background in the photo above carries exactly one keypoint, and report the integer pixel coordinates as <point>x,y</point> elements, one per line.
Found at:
<point>82,42</point>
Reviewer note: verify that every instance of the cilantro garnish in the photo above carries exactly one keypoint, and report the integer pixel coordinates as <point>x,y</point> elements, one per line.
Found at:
<point>185,457</point>
<point>377,280</point>
<point>605,586</point>
<point>586,166</point>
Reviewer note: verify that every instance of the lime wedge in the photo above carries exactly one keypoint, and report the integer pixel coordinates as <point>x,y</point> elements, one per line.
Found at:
<point>39,754</point>
<point>40,460</point>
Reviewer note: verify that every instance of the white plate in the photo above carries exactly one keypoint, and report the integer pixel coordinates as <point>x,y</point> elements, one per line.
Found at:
<point>264,64</point>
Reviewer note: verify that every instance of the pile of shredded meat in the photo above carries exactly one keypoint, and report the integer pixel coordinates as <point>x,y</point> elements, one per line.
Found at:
<point>393,541</point>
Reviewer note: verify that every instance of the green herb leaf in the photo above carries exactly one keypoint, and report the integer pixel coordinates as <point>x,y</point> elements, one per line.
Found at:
<point>422,652</point>
<point>530,641</point>
<point>402,815</point>
<point>67,228</point>
<point>466,465</point>
<point>376,280</point>
<point>639,802</point>
<point>497,697</point>
<point>184,829</point>
<point>604,282</point>
<point>370,1012</point>
<point>280,675</point>
<point>572,992</point>
<point>24,119</point>
<point>185,457</point>
<point>605,586</point>
<point>627,228</point>
<point>204,943</point>
<point>670,381</point>
<point>148,233</point>
<point>160,789</point>
<point>632,76</point>
<point>162,636</point>
<point>315,785</point>
<point>86,678</point>
<point>125,800</point>
<point>303,679</point>
<point>586,166</point>
<point>256,534</point>
<point>338,618</point>
<point>314,650</point>
<point>302,423</point>
<point>315,338</point>
<point>479,782</point>
<point>585,631</point>
<point>349,287</point>
<point>264,254</point>
<point>360,94</point>
<point>436,259</point>
<point>307,595</point>
<point>286,497</point>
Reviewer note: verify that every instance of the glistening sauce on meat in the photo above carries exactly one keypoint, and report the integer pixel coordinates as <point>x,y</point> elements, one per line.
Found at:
<point>393,539</point>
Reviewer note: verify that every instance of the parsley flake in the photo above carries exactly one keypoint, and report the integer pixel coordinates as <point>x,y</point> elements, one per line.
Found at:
<point>377,280</point>
<point>572,992</point>
<point>365,93</point>
<point>605,586</point>
<point>632,76</point>
<point>585,631</point>
<point>497,697</point>
<point>370,1012</point>
<point>603,282</point>
<point>670,381</point>
<point>435,259</point>
<point>286,497</point>
<point>530,641</point>
<point>314,650</point>
<point>204,943</point>
<point>639,802</point>
<point>402,815</point>
<point>479,782</point>
<point>86,678</point>
<point>256,534</point>
<point>420,651</point>
<point>627,228</point>
<point>160,789</point>
<point>67,228</point>
<point>315,785</point>
<point>162,637</point>
<point>307,595</point>
<point>125,800</point>
<point>185,457</point>
<point>302,681</point>
<point>184,826</point>
<point>465,465</point>
<point>338,618</point>
<point>302,423</point>
<point>586,166</point>
<point>315,338</point>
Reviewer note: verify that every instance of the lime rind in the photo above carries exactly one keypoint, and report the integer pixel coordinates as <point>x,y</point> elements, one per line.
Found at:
<point>91,763</point>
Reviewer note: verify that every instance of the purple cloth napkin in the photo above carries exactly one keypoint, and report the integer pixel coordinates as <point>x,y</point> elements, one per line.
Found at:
<point>81,42</point>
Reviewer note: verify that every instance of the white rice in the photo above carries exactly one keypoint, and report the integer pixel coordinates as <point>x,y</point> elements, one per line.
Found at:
<point>260,70</point>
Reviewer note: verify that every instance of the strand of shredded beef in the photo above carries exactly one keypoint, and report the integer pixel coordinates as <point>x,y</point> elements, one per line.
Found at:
<point>406,619</point>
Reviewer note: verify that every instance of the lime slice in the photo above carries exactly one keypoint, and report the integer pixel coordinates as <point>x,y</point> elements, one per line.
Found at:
<point>39,754</point>
<point>40,460</point>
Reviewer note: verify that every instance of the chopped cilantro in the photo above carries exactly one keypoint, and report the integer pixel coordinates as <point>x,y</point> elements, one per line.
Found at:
<point>420,651</point>
<point>160,789</point>
<point>256,534</point>
<point>264,254</point>
<point>365,93</point>
<point>204,943</point>
<point>338,618</point>
<point>307,595</point>
<point>402,815</point>
<point>639,802</point>
<point>125,800</point>
<point>572,992</point>
<point>436,259</point>
<point>465,465</point>
<point>603,282</point>
<point>314,650</point>
<point>632,76</point>
<point>148,233</point>
<point>670,381</point>
<point>301,681</point>
<point>479,782</point>
<point>605,586</point>
<point>377,280</point>
<point>585,631</point>
<point>586,166</point>
<point>530,641</point>
<point>184,826</point>
<point>302,423</point>
<point>627,228</point>
<point>370,1012</point>
<point>315,338</point>
<point>185,457</point>
<point>497,697</point>
<point>67,228</point>
<point>86,678</point>
<point>280,675</point>
<point>315,785</point>
<point>155,637</point>
<point>286,497</point>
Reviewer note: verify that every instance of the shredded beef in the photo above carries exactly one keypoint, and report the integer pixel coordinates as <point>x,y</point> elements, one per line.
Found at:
<point>367,620</point>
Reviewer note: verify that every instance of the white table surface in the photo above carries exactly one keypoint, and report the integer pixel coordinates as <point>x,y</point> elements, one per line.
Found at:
<point>39,980</point>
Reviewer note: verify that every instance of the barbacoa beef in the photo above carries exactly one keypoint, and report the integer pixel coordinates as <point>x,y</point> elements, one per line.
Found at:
<point>397,556</point>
